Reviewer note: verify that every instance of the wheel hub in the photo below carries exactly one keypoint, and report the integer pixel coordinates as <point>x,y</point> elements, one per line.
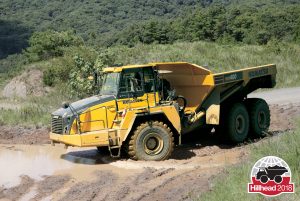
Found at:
<point>240,124</point>
<point>153,144</point>
<point>261,119</point>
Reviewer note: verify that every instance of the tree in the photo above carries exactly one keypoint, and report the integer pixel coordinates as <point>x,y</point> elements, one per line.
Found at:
<point>78,78</point>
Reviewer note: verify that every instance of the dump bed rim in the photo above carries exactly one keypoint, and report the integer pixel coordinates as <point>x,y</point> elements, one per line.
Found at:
<point>245,74</point>
<point>248,68</point>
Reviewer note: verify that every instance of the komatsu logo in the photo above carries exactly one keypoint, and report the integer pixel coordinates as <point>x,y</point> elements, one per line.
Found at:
<point>258,73</point>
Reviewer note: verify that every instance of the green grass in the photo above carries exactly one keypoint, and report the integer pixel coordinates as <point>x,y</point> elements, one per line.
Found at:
<point>220,57</point>
<point>232,184</point>
<point>29,114</point>
<point>34,110</point>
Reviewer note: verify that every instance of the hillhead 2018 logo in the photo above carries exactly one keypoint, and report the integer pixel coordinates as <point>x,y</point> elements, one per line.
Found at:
<point>271,176</point>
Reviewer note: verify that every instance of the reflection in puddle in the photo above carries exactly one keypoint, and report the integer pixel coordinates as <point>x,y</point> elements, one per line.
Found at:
<point>89,157</point>
<point>34,161</point>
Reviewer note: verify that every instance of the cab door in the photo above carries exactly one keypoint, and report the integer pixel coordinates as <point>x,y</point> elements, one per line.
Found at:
<point>137,88</point>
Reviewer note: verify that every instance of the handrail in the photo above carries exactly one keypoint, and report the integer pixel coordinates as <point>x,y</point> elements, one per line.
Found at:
<point>105,121</point>
<point>106,115</point>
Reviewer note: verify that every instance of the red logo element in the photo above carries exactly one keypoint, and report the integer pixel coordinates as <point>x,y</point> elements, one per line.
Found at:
<point>271,176</point>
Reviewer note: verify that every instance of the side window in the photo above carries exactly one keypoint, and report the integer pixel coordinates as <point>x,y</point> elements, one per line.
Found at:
<point>149,83</point>
<point>131,83</point>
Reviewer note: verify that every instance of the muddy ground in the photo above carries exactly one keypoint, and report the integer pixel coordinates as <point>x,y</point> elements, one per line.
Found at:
<point>33,170</point>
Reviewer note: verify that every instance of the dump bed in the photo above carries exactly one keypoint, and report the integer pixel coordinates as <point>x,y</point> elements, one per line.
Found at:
<point>228,88</point>
<point>198,84</point>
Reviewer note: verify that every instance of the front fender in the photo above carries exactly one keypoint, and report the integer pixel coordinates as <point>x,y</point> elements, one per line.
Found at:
<point>168,112</point>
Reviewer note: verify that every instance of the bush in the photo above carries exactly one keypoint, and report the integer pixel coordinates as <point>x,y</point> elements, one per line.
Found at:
<point>49,44</point>
<point>60,67</point>
<point>79,83</point>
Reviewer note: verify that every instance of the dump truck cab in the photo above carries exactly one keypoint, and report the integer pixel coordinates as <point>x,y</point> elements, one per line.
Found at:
<point>145,109</point>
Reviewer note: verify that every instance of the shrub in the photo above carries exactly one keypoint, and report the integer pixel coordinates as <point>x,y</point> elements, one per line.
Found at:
<point>48,44</point>
<point>60,67</point>
<point>79,83</point>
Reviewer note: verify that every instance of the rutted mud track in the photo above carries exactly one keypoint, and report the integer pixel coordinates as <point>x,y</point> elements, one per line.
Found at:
<point>87,175</point>
<point>53,173</point>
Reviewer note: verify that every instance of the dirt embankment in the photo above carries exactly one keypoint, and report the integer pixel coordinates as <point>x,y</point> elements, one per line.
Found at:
<point>29,83</point>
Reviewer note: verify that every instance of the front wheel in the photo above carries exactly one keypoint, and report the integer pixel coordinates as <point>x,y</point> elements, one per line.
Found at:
<point>151,141</point>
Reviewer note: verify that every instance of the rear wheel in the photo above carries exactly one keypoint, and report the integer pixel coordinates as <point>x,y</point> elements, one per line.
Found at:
<point>151,141</point>
<point>259,113</point>
<point>237,123</point>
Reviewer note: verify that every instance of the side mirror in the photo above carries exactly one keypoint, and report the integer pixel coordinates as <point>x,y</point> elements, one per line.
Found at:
<point>65,105</point>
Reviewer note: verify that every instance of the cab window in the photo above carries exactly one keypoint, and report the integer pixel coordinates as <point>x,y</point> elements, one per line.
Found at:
<point>136,81</point>
<point>131,83</point>
<point>149,83</point>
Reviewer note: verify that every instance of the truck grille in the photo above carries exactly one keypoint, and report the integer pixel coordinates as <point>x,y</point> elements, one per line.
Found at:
<point>57,125</point>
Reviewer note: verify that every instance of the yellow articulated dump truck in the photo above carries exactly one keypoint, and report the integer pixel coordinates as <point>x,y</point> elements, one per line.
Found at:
<point>143,110</point>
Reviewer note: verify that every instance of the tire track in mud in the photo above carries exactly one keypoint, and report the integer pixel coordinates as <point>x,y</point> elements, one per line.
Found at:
<point>18,191</point>
<point>165,180</point>
<point>91,190</point>
<point>49,185</point>
<point>109,186</point>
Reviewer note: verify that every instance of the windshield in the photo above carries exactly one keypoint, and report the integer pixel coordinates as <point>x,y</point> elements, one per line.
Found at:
<point>110,84</point>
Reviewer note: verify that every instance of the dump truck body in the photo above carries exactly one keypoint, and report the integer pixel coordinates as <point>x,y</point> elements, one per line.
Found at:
<point>153,105</point>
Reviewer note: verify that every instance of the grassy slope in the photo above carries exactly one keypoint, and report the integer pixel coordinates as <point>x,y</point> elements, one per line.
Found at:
<point>232,184</point>
<point>33,110</point>
<point>220,57</point>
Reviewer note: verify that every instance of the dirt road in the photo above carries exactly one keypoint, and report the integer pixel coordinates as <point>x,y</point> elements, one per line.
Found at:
<point>280,96</point>
<point>42,172</point>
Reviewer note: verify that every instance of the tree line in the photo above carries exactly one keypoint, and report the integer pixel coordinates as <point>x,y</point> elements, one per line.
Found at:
<point>250,25</point>
<point>111,22</point>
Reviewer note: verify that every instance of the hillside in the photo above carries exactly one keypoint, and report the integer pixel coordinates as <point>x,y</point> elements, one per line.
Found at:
<point>109,22</point>
<point>64,38</point>
<point>18,18</point>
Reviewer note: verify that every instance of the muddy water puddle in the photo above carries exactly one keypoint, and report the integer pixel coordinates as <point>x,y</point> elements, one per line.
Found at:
<point>38,161</point>
<point>33,161</point>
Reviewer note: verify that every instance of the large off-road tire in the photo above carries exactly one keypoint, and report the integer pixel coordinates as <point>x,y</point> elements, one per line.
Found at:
<point>237,123</point>
<point>151,141</point>
<point>259,114</point>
